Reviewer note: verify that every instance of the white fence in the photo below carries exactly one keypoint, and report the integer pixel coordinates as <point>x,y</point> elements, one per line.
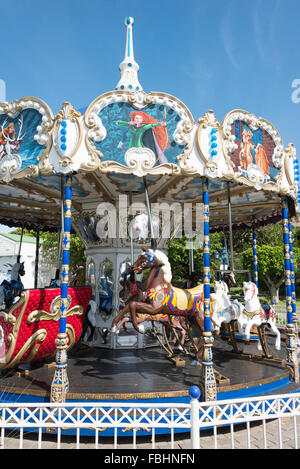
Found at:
<point>220,424</point>
<point>281,316</point>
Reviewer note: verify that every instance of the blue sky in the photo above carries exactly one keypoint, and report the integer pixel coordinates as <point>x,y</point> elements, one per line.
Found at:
<point>214,54</point>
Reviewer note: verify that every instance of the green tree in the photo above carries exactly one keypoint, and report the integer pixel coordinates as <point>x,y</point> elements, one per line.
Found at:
<point>270,262</point>
<point>49,245</point>
<point>178,254</point>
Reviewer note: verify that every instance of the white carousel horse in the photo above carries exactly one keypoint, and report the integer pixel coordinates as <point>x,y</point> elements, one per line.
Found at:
<point>224,310</point>
<point>254,315</point>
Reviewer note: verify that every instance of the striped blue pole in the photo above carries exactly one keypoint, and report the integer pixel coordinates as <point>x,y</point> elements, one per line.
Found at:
<point>291,348</point>
<point>207,377</point>
<point>255,257</point>
<point>60,383</point>
<point>292,269</point>
<point>287,265</point>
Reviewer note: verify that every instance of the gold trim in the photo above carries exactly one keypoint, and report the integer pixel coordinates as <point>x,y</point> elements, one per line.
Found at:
<point>147,395</point>
<point>41,315</point>
<point>71,335</point>
<point>12,336</point>
<point>38,336</point>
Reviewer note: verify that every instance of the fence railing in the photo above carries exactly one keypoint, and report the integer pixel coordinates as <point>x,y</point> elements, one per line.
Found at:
<point>199,424</point>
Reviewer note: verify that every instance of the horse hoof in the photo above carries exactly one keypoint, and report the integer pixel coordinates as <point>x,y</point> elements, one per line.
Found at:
<point>114,330</point>
<point>141,328</point>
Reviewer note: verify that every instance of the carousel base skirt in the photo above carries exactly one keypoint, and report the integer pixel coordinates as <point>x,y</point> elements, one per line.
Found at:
<point>144,376</point>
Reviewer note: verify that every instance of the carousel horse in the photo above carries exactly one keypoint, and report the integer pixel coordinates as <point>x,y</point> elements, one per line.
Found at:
<point>10,290</point>
<point>105,295</point>
<point>133,291</point>
<point>253,314</point>
<point>160,297</point>
<point>224,310</point>
<point>89,320</point>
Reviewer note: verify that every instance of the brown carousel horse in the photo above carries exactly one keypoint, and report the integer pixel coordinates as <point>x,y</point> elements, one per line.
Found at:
<point>160,297</point>
<point>134,291</point>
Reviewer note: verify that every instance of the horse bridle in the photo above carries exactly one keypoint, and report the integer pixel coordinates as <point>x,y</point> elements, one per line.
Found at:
<point>149,258</point>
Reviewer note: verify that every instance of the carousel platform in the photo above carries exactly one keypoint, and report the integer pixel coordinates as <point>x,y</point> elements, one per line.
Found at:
<point>99,374</point>
<point>147,376</point>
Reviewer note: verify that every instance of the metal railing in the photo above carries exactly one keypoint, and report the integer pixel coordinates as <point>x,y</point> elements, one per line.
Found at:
<point>190,425</point>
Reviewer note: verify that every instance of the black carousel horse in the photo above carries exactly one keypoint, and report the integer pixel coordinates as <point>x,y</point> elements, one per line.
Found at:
<point>10,290</point>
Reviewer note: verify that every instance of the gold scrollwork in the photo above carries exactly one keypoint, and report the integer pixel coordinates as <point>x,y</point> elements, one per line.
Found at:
<point>55,311</point>
<point>37,337</point>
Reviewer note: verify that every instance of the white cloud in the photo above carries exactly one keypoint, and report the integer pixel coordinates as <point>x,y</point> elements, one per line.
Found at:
<point>227,29</point>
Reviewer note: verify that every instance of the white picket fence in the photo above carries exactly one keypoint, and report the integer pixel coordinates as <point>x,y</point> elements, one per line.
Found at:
<point>229,424</point>
<point>281,316</point>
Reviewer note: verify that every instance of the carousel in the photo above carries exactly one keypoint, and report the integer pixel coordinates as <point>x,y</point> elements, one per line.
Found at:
<point>127,174</point>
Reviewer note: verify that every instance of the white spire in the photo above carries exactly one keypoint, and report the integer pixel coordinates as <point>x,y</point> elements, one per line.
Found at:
<point>129,68</point>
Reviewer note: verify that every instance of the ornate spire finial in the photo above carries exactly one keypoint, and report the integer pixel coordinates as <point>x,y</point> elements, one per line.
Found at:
<point>129,68</point>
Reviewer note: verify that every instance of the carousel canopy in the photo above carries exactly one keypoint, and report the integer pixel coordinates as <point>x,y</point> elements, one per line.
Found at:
<point>126,137</point>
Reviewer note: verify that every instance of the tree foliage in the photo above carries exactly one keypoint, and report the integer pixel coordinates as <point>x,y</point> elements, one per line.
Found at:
<point>49,248</point>
<point>270,262</point>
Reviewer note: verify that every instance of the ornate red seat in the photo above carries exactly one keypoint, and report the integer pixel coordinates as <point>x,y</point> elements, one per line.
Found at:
<point>29,329</point>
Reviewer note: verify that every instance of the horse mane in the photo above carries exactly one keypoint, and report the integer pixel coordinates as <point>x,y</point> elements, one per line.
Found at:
<point>166,267</point>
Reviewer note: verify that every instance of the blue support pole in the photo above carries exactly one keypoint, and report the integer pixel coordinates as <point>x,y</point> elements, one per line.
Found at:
<point>292,269</point>
<point>60,383</point>
<point>207,378</point>
<point>291,361</point>
<point>255,257</point>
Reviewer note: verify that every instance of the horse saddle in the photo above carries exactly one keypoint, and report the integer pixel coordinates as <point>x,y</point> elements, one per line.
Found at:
<point>184,299</point>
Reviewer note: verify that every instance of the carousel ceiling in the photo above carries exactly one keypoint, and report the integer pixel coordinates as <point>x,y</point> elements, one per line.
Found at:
<point>127,136</point>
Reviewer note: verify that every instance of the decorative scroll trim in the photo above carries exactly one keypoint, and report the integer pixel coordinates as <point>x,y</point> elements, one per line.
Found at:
<point>290,154</point>
<point>67,112</point>
<point>55,313</point>
<point>208,120</point>
<point>39,336</point>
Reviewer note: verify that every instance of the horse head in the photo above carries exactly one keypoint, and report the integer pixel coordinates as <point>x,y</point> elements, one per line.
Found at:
<point>250,291</point>
<point>17,271</point>
<point>22,269</point>
<point>144,261</point>
<point>221,285</point>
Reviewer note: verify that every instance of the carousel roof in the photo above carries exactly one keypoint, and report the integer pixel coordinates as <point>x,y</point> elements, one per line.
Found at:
<point>127,136</point>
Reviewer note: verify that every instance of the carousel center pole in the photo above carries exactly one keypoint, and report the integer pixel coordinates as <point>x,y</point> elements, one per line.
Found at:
<point>207,377</point>
<point>60,383</point>
<point>291,360</point>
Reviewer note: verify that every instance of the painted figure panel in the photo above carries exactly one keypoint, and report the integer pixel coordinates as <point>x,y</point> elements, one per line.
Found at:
<point>18,146</point>
<point>129,129</point>
<point>254,151</point>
